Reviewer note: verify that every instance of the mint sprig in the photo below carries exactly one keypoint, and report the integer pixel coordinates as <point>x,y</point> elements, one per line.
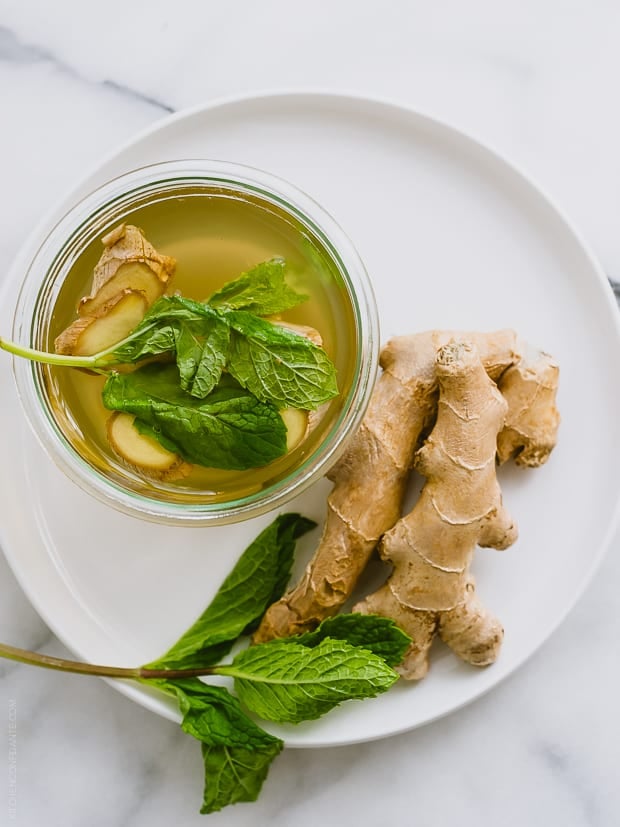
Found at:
<point>346,657</point>
<point>285,681</point>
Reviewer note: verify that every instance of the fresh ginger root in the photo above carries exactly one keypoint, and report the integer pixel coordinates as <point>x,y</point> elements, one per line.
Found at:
<point>430,589</point>
<point>371,479</point>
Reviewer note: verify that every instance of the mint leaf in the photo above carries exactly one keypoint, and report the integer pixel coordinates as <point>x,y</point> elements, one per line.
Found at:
<point>262,291</point>
<point>192,330</point>
<point>202,352</point>
<point>234,774</point>
<point>278,365</point>
<point>288,682</point>
<point>212,715</point>
<point>373,632</point>
<point>236,752</point>
<point>257,580</point>
<point>229,429</point>
<point>212,361</point>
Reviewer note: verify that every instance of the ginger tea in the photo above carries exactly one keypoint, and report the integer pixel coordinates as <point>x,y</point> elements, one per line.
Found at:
<point>214,234</point>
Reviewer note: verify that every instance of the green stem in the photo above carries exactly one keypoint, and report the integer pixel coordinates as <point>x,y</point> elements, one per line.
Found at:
<point>94,362</point>
<point>79,668</point>
<point>49,358</point>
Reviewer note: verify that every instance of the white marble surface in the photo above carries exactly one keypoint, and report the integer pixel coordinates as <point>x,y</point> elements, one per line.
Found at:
<point>535,78</point>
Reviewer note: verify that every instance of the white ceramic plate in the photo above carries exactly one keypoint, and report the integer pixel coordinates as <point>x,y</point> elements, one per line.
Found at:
<point>452,236</point>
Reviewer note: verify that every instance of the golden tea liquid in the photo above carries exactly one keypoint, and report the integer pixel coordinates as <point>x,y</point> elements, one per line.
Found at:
<point>214,234</point>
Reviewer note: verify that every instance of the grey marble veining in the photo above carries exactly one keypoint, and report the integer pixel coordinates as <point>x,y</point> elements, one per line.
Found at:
<point>14,50</point>
<point>535,80</point>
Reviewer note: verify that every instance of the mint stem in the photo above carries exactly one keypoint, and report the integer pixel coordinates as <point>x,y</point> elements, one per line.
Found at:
<point>49,358</point>
<point>79,668</point>
<point>97,360</point>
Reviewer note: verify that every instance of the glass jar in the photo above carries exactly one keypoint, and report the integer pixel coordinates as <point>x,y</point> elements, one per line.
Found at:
<point>154,188</point>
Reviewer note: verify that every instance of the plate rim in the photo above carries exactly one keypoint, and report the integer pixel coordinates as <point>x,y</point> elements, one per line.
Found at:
<point>316,95</point>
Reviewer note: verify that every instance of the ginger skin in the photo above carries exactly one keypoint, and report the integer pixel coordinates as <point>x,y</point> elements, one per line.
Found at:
<point>532,422</point>
<point>430,590</point>
<point>128,262</point>
<point>371,479</point>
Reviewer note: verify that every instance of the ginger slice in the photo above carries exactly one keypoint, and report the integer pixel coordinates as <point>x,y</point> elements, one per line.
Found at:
<point>371,478</point>
<point>296,422</point>
<point>109,324</point>
<point>128,262</point>
<point>430,590</point>
<point>143,453</point>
